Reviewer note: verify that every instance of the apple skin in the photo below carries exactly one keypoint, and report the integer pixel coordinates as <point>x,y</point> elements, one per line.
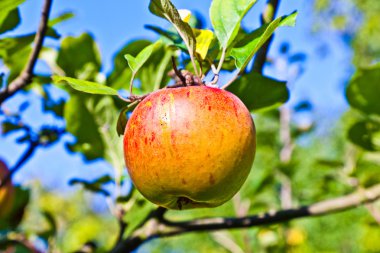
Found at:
<point>189,147</point>
<point>6,192</point>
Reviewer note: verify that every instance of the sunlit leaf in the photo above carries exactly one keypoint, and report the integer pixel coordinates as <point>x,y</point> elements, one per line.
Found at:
<point>246,48</point>
<point>153,75</point>
<point>185,15</point>
<point>165,9</point>
<point>85,86</point>
<point>226,16</point>
<point>135,63</point>
<point>259,92</point>
<point>204,39</point>
<point>60,18</point>
<point>121,72</point>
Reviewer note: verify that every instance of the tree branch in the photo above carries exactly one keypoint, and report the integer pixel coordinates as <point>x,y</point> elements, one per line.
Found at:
<point>266,17</point>
<point>155,227</point>
<point>26,75</point>
<point>25,157</point>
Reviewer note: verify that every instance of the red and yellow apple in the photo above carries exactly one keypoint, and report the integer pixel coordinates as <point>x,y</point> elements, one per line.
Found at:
<point>189,147</point>
<point>6,191</point>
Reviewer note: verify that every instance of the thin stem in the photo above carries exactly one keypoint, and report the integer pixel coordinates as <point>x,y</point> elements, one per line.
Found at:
<point>131,84</point>
<point>24,158</point>
<point>221,61</point>
<point>26,75</point>
<point>191,52</point>
<point>230,81</point>
<point>215,79</point>
<point>123,98</point>
<point>122,225</point>
<point>177,72</point>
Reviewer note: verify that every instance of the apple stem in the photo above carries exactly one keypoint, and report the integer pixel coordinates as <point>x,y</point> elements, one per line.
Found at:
<point>182,201</point>
<point>178,72</point>
<point>185,77</point>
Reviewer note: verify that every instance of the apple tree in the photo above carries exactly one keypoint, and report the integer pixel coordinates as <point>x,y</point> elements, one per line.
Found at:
<point>318,196</point>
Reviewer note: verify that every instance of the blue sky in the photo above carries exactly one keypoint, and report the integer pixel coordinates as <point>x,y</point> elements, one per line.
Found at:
<point>113,23</point>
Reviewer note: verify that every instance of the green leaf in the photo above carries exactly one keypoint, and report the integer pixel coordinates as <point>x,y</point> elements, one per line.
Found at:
<point>137,212</point>
<point>7,6</point>
<point>172,36</point>
<point>246,48</point>
<point>123,118</point>
<point>79,57</point>
<point>258,92</point>
<point>85,86</point>
<point>363,90</point>
<point>165,9</point>
<point>120,70</point>
<point>94,185</point>
<point>8,127</point>
<point>60,18</point>
<point>135,63</point>
<point>82,124</point>
<point>11,21</point>
<point>106,114</point>
<point>15,53</point>
<point>365,134</point>
<point>226,16</point>
<point>153,75</point>
<point>204,39</point>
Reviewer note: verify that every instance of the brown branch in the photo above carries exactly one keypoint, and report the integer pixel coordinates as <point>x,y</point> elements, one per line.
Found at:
<point>156,227</point>
<point>266,17</point>
<point>178,72</point>
<point>26,75</point>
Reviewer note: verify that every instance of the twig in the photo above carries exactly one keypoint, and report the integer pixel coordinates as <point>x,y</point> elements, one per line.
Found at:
<point>177,72</point>
<point>122,225</point>
<point>26,75</point>
<point>266,17</point>
<point>25,157</point>
<point>285,155</point>
<point>216,71</point>
<point>164,228</point>
<point>230,81</point>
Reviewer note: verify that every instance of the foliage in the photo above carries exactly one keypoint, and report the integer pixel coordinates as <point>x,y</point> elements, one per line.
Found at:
<point>344,158</point>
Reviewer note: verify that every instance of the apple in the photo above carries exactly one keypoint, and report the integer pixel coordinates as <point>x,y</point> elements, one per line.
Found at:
<point>189,147</point>
<point>6,192</point>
